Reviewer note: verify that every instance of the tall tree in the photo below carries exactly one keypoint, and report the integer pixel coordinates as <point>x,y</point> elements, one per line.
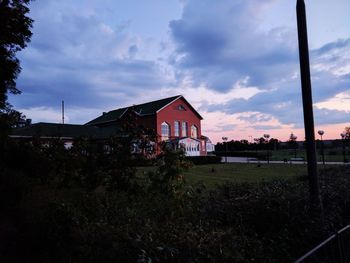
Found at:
<point>347,132</point>
<point>15,33</point>
<point>15,26</point>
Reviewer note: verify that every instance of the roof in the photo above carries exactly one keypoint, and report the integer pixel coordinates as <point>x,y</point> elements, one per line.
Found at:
<point>143,109</point>
<point>55,130</point>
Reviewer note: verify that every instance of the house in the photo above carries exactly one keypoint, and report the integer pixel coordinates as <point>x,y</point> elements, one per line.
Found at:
<point>66,133</point>
<point>173,120</point>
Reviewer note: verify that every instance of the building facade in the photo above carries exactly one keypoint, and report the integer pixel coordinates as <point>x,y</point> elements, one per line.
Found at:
<point>173,119</point>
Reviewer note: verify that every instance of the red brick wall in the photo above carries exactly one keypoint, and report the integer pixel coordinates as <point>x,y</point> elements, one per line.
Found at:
<point>171,113</point>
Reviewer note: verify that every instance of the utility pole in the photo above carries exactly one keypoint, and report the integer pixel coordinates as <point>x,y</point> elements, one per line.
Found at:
<point>62,111</point>
<point>307,107</point>
<point>320,132</point>
<point>225,141</point>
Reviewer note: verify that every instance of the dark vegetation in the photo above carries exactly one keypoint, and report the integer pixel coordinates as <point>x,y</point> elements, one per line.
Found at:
<point>210,159</point>
<point>87,205</point>
<point>84,205</point>
<point>249,154</point>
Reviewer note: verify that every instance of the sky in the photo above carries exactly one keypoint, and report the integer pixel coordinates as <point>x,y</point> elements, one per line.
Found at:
<point>235,61</point>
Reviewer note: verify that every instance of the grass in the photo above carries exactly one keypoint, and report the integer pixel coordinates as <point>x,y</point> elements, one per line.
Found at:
<point>279,155</point>
<point>213,174</point>
<point>242,173</point>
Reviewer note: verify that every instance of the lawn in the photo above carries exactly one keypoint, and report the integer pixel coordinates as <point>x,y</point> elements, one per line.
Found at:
<point>240,172</point>
<point>213,174</point>
<point>330,155</point>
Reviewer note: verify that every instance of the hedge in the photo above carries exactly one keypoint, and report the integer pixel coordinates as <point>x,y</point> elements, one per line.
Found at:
<point>210,159</point>
<point>258,155</point>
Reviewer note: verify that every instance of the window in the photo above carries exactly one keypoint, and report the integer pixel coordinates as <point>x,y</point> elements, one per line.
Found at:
<point>184,129</point>
<point>194,131</point>
<point>177,128</point>
<point>180,107</point>
<point>165,128</point>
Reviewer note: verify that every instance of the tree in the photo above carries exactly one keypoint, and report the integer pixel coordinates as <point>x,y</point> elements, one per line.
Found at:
<point>15,33</point>
<point>347,132</point>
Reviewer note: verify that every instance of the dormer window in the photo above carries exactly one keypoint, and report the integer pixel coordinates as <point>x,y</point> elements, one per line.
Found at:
<point>180,107</point>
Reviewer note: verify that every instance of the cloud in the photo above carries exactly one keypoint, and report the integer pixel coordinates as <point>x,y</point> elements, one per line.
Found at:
<point>340,102</point>
<point>73,114</point>
<point>266,127</point>
<point>79,56</point>
<point>231,59</point>
<point>218,44</point>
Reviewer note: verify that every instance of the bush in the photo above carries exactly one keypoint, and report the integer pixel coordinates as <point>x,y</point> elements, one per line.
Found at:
<point>197,160</point>
<point>258,155</point>
<point>332,152</point>
<point>97,218</point>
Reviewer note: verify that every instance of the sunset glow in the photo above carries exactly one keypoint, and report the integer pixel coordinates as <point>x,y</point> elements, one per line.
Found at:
<point>236,62</point>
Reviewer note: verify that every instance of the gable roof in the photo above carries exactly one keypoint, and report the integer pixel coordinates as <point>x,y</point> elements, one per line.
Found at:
<point>56,130</point>
<point>143,109</point>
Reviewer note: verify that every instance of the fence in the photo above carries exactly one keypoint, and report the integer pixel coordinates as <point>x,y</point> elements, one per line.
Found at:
<point>333,250</point>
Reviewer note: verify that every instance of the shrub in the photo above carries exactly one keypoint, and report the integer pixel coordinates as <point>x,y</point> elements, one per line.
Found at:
<point>332,152</point>
<point>97,218</point>
<point>258,155</point>
<point>210,159</point>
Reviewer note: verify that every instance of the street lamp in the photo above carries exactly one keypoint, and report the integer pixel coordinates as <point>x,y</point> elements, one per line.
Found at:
<point>294,138</point>
<point>343,136</point>
<point>225,140</point>
<point>320,132</point>
<point>267,136</point>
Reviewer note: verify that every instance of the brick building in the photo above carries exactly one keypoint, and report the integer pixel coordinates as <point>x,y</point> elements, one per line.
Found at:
<point>173,119</point>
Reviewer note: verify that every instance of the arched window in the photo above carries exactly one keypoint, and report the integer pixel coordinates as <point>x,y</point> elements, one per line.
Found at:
<point>194,131</point>
<point>177,128</point>
<point>184,129</point>
<point>165,128</point>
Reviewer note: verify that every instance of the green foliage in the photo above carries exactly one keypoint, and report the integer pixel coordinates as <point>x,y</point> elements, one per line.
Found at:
<point>15,33</point>
<point>198,160</point>
<point>85,205</point>
<point>168,177</point>
<point>8,118</point>
<point>243,145</point>
<point>251,154</point>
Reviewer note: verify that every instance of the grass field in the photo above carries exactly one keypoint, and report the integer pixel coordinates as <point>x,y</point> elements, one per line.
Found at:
<point>213,174</point>
<point>239,173</point>
<point>330,155</point>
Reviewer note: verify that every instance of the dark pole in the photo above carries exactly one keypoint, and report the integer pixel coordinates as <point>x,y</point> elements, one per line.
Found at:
<point>344,156</point>
<point>307,106</point>
<point>322,150</point>
<point>225,141</point>
<point>62,111</point>
<point>343,136</point>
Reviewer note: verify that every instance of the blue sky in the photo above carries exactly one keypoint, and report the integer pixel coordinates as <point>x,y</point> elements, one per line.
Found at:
<point>235,61</point>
